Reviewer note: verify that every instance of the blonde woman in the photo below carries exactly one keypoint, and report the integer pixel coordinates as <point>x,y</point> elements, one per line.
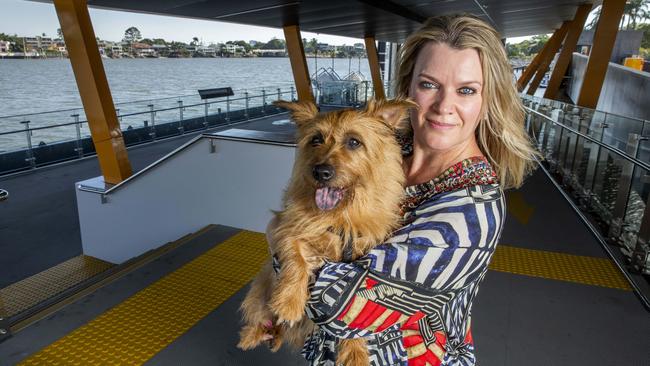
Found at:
<point>411,297</point>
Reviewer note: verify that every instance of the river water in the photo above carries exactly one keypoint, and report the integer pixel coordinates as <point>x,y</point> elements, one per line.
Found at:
<point>34,86</point>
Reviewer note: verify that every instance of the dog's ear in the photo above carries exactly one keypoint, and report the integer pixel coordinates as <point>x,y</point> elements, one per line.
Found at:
<point>301,112</point>
<point>393,111</point>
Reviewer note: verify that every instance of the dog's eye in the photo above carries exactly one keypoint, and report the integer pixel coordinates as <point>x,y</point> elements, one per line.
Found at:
<point>353,143</point>
<point>316,140</point>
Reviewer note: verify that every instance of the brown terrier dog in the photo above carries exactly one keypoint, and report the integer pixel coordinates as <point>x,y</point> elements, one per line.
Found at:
<point>343,196</point>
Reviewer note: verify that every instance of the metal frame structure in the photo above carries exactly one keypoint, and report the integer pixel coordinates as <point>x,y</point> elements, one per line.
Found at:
<point>564,148</point>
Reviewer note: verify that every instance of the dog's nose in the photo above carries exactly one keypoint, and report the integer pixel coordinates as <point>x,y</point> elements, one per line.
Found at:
<point>323,172</point>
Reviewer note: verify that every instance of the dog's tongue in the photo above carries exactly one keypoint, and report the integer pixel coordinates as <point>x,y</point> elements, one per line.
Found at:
<point>328,197</point>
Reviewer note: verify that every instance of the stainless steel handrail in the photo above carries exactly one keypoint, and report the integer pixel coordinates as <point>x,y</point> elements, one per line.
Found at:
<point>610,148</point>
<point>172,153</point>
<point>287,84</point>
<point>202,104</point>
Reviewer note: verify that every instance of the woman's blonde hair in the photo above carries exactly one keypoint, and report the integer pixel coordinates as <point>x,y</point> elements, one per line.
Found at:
<point>500,133</point>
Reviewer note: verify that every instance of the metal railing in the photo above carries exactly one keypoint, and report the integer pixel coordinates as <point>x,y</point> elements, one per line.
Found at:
<point>46,137</point>
<point>603,162</point>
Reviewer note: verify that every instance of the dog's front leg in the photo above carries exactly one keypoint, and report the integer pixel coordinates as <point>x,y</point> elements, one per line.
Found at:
<point>291,294</point>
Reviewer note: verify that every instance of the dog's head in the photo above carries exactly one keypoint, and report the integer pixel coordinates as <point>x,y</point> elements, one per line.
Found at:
<point>348,154</point>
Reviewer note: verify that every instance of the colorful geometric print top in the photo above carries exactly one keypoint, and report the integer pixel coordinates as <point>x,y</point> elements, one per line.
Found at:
<point>411,297</point>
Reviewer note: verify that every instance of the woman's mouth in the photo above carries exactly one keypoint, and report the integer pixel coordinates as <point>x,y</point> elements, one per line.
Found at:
<point>440,125</point>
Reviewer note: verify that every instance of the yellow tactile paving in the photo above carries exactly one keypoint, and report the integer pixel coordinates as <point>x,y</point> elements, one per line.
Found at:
<point>132,332</point>
<point>24,294</point>
<point>558,266</point>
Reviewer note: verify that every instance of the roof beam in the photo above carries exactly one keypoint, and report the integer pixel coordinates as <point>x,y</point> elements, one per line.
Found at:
<point>396,9</point>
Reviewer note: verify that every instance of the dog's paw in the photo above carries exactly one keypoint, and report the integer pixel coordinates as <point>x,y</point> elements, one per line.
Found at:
<point>288,309</point>
<point>252,336</point>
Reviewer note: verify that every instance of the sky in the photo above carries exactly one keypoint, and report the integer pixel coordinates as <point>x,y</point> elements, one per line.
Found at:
<point>27,18</point>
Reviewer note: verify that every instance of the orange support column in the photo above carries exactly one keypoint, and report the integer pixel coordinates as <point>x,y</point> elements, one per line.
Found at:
<point>562,63</point>
<point>93,88</point>
<point>298,62</point>
<point>601,51</point>
<point>553,46</point>
<point>373,60</point>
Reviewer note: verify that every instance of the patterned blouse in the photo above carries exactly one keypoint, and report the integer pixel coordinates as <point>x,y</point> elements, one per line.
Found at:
<point>411,296</point>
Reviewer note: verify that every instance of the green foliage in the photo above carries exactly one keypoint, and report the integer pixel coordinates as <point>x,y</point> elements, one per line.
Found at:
<point>132,34</point>
<point>310,46</point>
<point>274,44</point>
<point>16,42</point>
<point>527,47</point>
<point>247,47</point>
<point>645,41</point>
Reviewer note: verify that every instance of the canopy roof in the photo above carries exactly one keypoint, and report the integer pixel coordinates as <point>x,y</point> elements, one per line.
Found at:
<point>388,21</point>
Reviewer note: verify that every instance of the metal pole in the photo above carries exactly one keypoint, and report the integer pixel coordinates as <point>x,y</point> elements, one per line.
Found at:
<point>263,101</point>
<point>152,133</point>
<point>180,122</point>
<point>246,108</point>
<point>30,151</point>
<point>205,115</point>
<point>279,94</point>
<point>227,108</point>
<point>79,149</point>
<point>292,93</point>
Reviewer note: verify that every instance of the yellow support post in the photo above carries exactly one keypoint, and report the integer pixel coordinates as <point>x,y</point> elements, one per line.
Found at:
<point>93,87</point>
<point>553,47</point>
<point>530,70</point>
<point>373,60</point>
<point>601,51</point>
<point>298,62</point>
<point>568,47</point>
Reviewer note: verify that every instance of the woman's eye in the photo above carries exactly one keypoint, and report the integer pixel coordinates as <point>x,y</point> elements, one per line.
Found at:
<point>316,140</point>
<point>467,91</point>
<point>353,143</point>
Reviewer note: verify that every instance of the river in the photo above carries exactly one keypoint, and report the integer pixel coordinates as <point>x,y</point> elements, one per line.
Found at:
<point>39,85</point>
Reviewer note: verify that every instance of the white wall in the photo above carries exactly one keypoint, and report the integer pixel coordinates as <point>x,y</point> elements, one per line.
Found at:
<point>238,185</point>
<point>625,91</point>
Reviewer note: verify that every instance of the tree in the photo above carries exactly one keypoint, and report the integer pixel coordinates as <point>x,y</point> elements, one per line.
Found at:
<point>59,33</point>
<point>132,34</point>
<point>247,47</point>
<point>274,44</point>
<point>195,41</point>
<point>645,41</point>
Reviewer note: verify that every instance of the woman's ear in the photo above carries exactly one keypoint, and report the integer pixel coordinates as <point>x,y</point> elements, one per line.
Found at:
<point>393,111</point>
<point>301,112</point>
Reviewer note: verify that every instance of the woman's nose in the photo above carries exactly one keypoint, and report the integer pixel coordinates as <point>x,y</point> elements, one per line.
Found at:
<point>444,103</point>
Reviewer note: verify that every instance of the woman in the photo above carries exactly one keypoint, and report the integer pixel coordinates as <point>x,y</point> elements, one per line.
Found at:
<point>411,297</point>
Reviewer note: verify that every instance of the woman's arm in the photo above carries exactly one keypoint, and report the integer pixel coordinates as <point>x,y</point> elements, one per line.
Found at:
<point>425,264</point>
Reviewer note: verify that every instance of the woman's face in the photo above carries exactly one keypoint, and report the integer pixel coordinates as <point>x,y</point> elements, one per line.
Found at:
<point>447,85</point>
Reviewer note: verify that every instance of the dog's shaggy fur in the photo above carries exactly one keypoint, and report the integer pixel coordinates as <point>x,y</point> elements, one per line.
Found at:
<point>356,200</point>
